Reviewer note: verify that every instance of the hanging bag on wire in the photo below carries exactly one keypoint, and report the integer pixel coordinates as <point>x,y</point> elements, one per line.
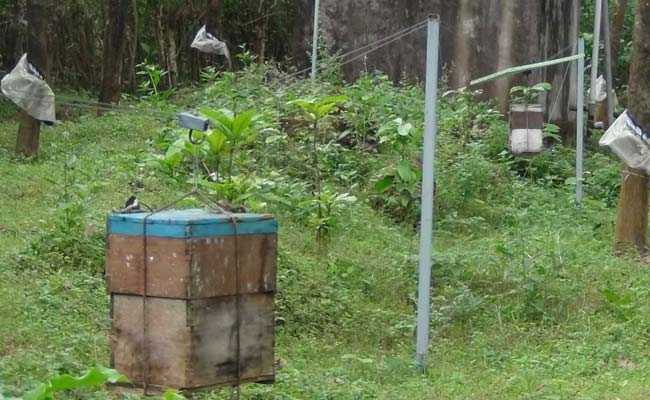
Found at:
<point>629,142</point>
<point>205,42</point>
<point>27,89</point>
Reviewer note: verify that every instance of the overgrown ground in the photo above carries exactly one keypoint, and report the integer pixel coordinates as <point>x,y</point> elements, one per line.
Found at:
<point>528,301</point>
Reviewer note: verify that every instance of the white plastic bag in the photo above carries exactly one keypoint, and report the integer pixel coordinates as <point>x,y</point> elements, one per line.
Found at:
<point>628,142</point>
<point>27,89</point>
<point>600,92</point>
<point>205,42</point>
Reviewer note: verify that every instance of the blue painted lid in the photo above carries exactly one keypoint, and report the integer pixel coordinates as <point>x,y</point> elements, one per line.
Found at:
<point>190,223</point>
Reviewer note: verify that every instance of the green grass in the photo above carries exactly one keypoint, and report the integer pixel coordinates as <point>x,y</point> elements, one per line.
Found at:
<point>528,302</point>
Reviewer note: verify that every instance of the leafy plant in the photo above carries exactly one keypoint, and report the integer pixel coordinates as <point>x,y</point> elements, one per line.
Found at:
<point>150,86</point>
<point>325,210</point>
<point>397,192</point>
<point>398,134</point>
<point>209,74</point>
<point>315,111</point>
<point>528,94</point>
<point>552,131</point>
<point>94,378</point>
<point>230,131</point>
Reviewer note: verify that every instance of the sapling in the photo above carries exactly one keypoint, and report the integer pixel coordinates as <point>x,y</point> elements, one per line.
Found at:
<point>315,111</point>
<point>528,94</point>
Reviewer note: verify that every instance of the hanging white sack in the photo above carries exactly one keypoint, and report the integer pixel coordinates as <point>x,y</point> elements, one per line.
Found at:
<point>27,89</point>
<point>628,141</point>
<point>205,42</point>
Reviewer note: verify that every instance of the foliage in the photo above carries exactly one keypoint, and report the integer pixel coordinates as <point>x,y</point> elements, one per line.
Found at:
<point>92,379</point>
<point>149,87</point>
<point>526,289</point>
<point>326,203</point>
<point>69,241</point>
<point>528,94</point>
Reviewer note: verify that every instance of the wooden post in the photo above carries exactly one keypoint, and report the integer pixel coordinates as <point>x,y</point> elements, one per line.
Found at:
<point>632,216</point>
<point>27,141</point>
<point>114,45</point>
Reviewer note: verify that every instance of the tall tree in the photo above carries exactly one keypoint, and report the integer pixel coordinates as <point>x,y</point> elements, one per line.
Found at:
<point>212,16</point>
<point>618,22</point>
<point>114,46</point>
<point>27,142</point>
<point>632,218</point>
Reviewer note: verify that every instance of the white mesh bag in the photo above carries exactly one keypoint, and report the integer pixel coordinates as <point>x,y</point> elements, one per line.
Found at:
<point>27,89</point>
<point>628,141</point>
<point>205,42</point>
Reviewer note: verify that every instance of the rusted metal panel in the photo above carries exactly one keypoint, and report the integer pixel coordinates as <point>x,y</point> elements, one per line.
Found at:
<point>193,343</point>
<point>191,268</point>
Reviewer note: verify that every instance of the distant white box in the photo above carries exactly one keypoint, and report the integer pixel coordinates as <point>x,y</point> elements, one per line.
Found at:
<point>526,141</point>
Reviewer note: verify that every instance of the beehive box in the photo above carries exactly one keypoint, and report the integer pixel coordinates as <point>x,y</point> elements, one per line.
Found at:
<point>526,129</point>
<point>185,325</point>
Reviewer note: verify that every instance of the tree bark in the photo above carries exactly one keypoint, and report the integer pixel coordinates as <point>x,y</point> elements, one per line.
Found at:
<point>114,46</point>
<point>27,141</point>
<point>260,32</point>
<point>212,16</point>
<point>632,218</point>
<point>133,51</point>
<point>618,21</point>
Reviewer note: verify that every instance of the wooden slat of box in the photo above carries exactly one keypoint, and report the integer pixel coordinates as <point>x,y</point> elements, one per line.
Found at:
<point>191,268</point>
<point>192,343</point>
<point>190,254</point>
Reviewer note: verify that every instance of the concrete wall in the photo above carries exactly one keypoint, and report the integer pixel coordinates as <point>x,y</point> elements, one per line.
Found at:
<point>478,37</point>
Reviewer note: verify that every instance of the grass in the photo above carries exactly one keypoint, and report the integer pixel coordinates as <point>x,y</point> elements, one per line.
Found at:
<point>528,302</point>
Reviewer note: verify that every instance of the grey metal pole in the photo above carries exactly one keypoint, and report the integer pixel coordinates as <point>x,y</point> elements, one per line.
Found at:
<point>595,51</point>
<point>608,63</point>
<point>314,47</point>
<point>428,178</point>
<point>580,121</point>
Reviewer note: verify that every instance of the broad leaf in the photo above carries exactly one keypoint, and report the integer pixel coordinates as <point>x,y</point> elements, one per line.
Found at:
<point>385,183</point>
<point>405,171</point>
<point>216,141</point>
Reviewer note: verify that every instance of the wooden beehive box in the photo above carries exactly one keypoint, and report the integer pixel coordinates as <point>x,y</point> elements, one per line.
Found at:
<point>179,309</point>
<point>526,129</point>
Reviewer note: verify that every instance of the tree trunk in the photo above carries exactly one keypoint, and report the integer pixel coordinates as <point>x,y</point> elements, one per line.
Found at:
<point>260,32</point>
<point>632,218</point>
<point>618,21</point>
<point>212,16</point>
<point>27,142</point>
<point>114,45</point>
<point>134,46</point>
<point>172,54</point>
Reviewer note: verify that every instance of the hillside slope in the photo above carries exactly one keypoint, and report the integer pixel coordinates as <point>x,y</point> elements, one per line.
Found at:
<point>528,301</point>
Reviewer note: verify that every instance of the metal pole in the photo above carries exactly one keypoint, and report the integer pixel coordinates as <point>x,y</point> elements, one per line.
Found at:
<point>314,47</point>
<point>608,64</point>
<point>428,178</point>
<point>595,51</point>
<point>580,121</point>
